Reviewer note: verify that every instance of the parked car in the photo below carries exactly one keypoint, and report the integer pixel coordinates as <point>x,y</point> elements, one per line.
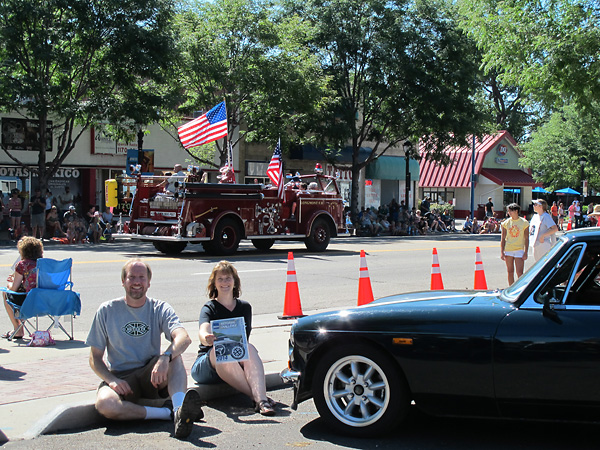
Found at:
<point>529,351</point>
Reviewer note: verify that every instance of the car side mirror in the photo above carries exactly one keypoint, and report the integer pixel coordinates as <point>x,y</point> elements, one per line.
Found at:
<point>548,310</point>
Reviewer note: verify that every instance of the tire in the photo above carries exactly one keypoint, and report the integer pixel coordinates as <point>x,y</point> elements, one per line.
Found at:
<point>319,237</point>
<point>371,406</point>
<point>226,239</point>
<point>263,244</point>
<point>208,247</point>
<point>170,248</point>
<point>159,246</point>
<point>238,352</point>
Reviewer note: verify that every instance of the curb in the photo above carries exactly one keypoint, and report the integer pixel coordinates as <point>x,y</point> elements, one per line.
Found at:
<point>80,415</point>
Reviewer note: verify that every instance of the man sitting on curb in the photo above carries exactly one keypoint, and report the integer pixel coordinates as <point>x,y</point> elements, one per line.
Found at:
<point>129,330</point>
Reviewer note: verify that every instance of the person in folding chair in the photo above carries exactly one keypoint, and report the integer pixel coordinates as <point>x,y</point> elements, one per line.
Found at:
<point>23,279</point>
<point>129,330</point>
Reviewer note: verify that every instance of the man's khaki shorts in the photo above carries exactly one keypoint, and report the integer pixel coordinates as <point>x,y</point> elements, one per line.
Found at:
<point>139,381</point>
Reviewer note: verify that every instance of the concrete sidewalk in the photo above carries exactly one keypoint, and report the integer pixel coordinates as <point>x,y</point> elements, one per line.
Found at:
<point>48,389</point>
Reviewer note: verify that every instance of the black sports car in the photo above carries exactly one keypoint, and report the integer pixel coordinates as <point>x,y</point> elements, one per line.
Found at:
<point>529,351</point>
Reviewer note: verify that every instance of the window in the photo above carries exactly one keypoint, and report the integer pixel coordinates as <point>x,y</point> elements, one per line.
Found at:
<point>512,195</point>
<point>559,283</point>
<point>439,195</point>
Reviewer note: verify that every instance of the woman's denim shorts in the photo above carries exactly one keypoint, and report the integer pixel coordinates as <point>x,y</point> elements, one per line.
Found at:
<point>203,373</point>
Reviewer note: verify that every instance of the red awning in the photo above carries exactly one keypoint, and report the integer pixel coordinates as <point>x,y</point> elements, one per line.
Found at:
<point>458,173</point>
<point>513,177</point>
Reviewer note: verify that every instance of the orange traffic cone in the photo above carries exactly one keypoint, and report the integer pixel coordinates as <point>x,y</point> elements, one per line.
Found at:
<point>365,292</point>
<point>480,282</point>
<point>436,277</point>
<point>291,303</point>
<point>569,226</point>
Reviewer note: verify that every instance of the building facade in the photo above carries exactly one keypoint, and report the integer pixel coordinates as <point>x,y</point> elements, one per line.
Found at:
<point>97,158</point>
<point>497,174</point>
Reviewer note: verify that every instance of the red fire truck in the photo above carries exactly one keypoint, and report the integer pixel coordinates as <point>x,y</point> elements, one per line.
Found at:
<point>218,216</point>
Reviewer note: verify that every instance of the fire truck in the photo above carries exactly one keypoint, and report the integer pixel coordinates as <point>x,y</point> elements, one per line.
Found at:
<point>219,215</point>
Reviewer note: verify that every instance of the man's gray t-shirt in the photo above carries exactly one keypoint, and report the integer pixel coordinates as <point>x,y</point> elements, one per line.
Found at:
<point>131,336</point>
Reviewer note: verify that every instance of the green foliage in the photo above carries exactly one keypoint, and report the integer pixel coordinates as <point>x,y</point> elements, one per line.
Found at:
<point>551,49</point>
<point>446,208</point>
<point>248,53</point>
<point>78,62</point>
<point>399,69</point>
<point>555,148</point>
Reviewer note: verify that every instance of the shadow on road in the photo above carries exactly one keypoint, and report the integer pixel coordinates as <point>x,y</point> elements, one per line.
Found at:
<point>420,431</point>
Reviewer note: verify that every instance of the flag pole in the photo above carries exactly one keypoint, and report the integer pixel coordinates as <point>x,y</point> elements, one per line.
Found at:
<point>226,137</point>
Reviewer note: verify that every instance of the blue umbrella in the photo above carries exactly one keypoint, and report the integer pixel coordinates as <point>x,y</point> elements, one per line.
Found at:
<point>540,190</point>
<point>567,191</point>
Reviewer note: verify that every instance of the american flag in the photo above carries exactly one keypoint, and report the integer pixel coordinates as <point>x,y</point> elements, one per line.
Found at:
<point>275,170</point>
<point>206,128</point>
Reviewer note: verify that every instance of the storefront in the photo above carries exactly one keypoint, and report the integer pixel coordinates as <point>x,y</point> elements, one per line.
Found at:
<point>386,180</point>
<point>497,175</point>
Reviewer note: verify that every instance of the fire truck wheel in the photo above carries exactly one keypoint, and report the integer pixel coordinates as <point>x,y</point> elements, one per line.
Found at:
<point>263,244</point>
<point>159,246</point>
<point>319,237</point>
<point>170,248</point>
<point>227,238</point>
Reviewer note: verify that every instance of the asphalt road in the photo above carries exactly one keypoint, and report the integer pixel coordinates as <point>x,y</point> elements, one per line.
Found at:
<point>231,425</point>
<point>326,280</point>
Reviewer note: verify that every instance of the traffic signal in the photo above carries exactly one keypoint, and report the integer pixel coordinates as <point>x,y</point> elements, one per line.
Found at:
<point>111,193</point>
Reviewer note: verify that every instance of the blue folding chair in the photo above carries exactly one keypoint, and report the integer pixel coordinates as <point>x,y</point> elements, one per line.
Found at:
<point>53,297</point>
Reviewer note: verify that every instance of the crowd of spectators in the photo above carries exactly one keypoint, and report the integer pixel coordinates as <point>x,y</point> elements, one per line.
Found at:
<point>54,218</point>
<point>396,219</point>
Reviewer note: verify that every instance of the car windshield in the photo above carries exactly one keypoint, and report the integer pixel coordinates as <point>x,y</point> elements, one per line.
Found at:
<point>512,293</point>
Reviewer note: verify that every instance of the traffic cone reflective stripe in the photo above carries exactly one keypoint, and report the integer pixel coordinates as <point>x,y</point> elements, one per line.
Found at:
<point>291,304</point>
<point>480,282</point>
<point>436,276</point>
<point>365,292</point>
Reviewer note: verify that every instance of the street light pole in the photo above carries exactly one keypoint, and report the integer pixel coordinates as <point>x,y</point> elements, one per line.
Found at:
<point>582,162</point>
<point>407,148</point>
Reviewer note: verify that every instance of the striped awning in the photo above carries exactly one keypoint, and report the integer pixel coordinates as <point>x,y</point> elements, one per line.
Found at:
<point>458,173</point>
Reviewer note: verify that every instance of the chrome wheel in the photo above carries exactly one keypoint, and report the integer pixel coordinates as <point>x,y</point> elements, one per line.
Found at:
<point>356,391</point>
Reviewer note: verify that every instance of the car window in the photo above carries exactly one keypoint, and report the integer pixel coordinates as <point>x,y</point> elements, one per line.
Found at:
<point>558,284</point>
<point>586,286</point>
<point>512,293</point>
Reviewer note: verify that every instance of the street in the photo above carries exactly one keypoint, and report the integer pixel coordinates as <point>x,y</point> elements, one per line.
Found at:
<point>230,424</point>
<point>327,280</point>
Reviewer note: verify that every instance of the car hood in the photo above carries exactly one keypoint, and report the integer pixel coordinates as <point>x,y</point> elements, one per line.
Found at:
<point>417,310</point>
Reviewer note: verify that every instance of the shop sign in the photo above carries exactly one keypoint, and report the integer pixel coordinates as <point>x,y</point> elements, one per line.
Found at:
<point>341,175</point>
<point>21,172</point>
<point>104,145</point>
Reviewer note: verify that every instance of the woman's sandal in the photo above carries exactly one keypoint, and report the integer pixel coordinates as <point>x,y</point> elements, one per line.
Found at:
<point>264,408</point>
<point>8,333</point>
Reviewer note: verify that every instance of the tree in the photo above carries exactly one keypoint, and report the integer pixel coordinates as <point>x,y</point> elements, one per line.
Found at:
<point>550,49</point>
<point>507,107</point>
<point>246,53</point>
<point>78,62</point>
<point>400,69</point>
<point>555,148</point>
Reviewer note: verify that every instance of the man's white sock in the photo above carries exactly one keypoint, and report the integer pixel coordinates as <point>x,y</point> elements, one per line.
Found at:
<point>152,412</point>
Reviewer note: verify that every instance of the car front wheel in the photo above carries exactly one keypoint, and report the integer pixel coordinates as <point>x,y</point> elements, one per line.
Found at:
<point>359,391</point>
